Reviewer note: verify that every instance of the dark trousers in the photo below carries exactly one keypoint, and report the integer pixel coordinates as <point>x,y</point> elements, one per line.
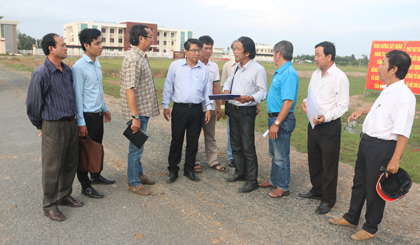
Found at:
<point>323,158</point>
<point>242,140</point>
<point>371,156</point>
<point>189,118</point>
<point>60,158</point>
<point>95,128</point>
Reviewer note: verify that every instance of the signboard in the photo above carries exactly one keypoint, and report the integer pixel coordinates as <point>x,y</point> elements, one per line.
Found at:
<point>179,55</point>
<point>379,50</point>
<point>412,80</point>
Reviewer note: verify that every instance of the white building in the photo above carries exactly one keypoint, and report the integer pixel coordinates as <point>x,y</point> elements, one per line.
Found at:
<point>8,36</point>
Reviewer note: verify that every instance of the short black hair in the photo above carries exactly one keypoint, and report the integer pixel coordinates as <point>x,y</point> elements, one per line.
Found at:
<point>249,46</point>
<point>207,40</point>
<point>190,41</point>
<point>401,60</point>
<point>136,32</point>
<point>87,35</point>
<point>47,41</point>
<point>329,49</point>
<point>285,48</point>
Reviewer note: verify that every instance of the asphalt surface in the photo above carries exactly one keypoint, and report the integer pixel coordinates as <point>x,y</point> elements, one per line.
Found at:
<point>207,212</point>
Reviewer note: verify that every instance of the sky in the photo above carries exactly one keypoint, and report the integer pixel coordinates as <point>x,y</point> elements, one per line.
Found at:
<point>350,25</point>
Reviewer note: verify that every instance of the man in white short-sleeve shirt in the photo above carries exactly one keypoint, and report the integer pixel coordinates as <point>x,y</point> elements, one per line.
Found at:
<point>386,130</point>
<point>210,128</point>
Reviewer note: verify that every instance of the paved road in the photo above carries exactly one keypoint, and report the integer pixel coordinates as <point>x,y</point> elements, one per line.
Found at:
<point>207,212</point>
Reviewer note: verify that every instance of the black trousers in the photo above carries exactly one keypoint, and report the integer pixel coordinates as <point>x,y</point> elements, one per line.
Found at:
<point>184,118</point>
<point>323,159</point>
<point>95,127</point>
<point>60,158</point>
<point>371,156</point>
<point>242,141</point>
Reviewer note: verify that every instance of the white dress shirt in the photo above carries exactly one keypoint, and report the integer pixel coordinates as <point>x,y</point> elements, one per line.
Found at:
<point>331,92</point>
<point>392,114</point>
<point>249,80</point>
<point>227,70</point>
<point>214,78</point>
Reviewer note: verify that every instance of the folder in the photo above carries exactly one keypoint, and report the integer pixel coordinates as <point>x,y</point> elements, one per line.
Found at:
<point>138,139</point>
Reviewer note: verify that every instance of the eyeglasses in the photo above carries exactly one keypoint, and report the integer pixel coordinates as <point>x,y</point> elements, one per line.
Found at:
<point>151,37</point>
<point>195,50</point>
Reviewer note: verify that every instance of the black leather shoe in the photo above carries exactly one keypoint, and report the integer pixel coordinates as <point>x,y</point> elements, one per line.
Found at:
<point>101,180</point>
<point>323,208</point>
<point>310,196</point>
<point>231,163</point>
<point>234,178</point>
<point>172,177</point>
<point>248,187</point>
<point>91,192</point>
<point>192,176</point>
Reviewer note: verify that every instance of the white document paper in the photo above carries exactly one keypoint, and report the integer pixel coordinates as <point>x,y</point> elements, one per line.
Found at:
<point>266,133</point>
<point>312,108</point>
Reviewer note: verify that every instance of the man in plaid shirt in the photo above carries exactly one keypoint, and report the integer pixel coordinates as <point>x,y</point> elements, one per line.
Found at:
<point>138,101</point>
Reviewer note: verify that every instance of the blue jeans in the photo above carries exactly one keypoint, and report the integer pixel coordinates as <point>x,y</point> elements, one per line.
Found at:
<point>279,151</point>
<point>134,169</point>
<point>229,148</point>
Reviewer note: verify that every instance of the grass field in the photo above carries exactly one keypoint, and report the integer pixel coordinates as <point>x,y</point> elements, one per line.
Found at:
<point>349,142</point>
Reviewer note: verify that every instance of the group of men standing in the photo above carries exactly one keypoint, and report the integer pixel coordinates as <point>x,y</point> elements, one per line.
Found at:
<point>58,95</point>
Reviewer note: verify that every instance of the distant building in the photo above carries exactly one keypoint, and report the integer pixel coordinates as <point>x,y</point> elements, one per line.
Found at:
<point>263,50</point>
<point>8,36</point>
<point>113,34</point>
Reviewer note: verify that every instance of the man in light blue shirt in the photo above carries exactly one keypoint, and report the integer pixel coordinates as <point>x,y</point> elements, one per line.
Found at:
<point>281,101</point>
<point>188,85</point>
<point>91,108</point>
<point>249,80</point>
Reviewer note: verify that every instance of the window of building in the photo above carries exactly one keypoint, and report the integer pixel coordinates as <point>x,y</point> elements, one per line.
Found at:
<point>157,50</point>
<point>164,42</point>
<point>158,42</point>
<point>120,31</point>
<point>2,31</point>
<point>103,30</point>
<point>119,40</point>
<point>111,40</point>
<point>104,40</point>
<point>111,30</point>
<point>172,43</point>
<point>164,34</point>
<point>164,50</point>
<point>172,34</point>
<point>158,34</point>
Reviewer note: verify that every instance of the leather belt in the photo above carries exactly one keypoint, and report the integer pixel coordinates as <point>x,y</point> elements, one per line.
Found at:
<point>93,114</point>
<point>273,114</point>
<point>240,107</point>
<point>66,119</point>
<point>366,137</point>
<point>190,105</point>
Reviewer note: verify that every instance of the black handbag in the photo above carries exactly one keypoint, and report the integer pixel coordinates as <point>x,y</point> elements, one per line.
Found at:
<point>228,106</point>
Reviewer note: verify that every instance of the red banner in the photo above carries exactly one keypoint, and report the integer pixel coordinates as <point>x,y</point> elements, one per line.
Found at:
<point>412,80</point>
<point>378,51</point>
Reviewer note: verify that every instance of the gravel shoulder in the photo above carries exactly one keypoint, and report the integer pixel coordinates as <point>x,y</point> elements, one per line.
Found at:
<point>208,212</point>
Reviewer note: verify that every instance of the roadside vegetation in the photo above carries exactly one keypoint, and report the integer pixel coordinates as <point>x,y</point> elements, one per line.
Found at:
<point>349,142</point>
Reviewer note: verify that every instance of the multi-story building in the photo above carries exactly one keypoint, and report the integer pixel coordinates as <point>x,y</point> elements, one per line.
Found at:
<point>8,36</point>
<point>113,34</point>
<point>263,50</point>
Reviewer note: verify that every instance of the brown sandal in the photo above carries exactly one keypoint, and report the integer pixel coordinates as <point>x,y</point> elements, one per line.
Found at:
<point>266,184</point>
<point>218,167</point>
<point>197,168</point>
<point>278,192</point>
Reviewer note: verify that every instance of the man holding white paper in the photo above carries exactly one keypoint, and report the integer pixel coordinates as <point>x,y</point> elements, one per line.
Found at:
<point>330,88</point>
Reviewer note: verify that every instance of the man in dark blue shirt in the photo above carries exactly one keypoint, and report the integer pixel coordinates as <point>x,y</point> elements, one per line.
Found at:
<point>51,107</point>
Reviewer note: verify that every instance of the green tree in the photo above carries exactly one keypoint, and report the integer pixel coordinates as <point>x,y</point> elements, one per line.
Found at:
<point>25,42</point>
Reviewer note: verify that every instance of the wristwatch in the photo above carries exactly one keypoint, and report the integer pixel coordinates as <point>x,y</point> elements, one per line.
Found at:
<point>277,123</point>
<point>136,116</point>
